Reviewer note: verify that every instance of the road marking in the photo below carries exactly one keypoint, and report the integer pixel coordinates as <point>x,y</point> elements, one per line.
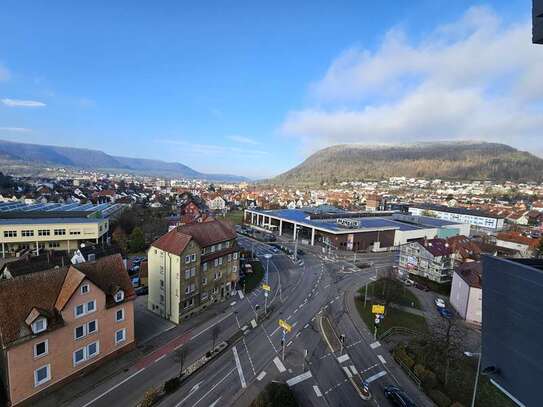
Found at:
<point>261,376</point>
<point>253,323</point>
<point>210,390</point>
<point>233,303</point>
<point>113,387</point>
<point>279,364</point>
<point>298,334</point>
<point>353,369</point>
<point>375,345</point>
<point>160,358</point>
<point>343,358</point>
<point>306,326</point>
<point>288,344</point>
<point>191,392</point>
<point>215,402</point>
<point>376,376</point>
<point>347,372</point>
<point>382,359</point>
<point>317,391</point>
<point>244,327</point>
<point>238,366</point>
<point>241,296</point>
<point>299,378</point>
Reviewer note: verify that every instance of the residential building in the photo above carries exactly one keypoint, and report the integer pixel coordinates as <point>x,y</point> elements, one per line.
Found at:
<point>477,219</point>
<point>526,246</point>
<point>431,259</point>
<point>59,323</point>
<point>191,267</point>
<point>466,291</point>
<point>216,203</point>
<point>52,226</point>
<point>512,355</point>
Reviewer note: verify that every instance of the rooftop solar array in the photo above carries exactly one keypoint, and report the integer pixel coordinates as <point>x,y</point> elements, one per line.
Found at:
<point>12,208</point>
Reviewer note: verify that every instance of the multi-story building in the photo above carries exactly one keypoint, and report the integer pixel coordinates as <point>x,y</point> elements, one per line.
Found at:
<point>52,226</point>
<point>477,219</point>
<point>431,259</point>
<point>466,291</point>
<point>191,267</point>
<point>56,324</point>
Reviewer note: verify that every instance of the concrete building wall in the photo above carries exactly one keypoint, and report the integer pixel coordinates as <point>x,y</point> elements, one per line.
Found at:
<point>475,305</point>
<point>62,344</point>
<point>460,294</point>
<point>404,236</point>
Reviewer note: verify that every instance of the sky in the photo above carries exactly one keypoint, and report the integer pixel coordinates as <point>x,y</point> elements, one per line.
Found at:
<point>253,88</point>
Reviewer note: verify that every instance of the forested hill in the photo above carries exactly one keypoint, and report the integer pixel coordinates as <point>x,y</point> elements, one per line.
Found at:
<point>444,160</point>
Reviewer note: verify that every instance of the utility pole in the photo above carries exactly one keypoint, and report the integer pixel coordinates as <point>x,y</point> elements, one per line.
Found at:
<point>366,295</point>
<point>296,243</point>
<point>305,356</point>
<point>283,340</point>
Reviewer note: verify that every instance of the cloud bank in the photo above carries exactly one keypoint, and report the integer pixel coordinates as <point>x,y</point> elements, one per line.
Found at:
<point>22,103</point>
<point>474,79</point>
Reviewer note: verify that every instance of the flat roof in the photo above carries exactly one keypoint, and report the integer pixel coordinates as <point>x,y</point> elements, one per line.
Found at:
<point>47,221</point>
<point>460,211</point>
<point>19,210</point>
<point>366,223</point>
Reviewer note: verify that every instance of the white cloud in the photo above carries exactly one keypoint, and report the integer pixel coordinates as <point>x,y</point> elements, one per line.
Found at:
<point>243,140</point>
<point>476,78</point>
<point>15,129</point>
<point>22,103</point>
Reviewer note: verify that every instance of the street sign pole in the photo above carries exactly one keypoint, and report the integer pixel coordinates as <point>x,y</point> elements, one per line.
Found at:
<point>305,356</point>
<point>366,295</point>
<point>284,340</point>
<point>265,302</point>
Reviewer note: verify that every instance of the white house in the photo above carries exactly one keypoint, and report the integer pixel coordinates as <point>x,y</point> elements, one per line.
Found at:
<point>466,292</point>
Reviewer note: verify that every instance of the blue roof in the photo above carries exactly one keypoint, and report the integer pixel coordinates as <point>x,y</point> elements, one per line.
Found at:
<point>47,221</point>
<point>12,208</point>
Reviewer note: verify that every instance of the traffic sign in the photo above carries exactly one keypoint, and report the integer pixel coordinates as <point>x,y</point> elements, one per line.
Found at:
<point>266,287</point>
<point>285,325</point>
<point>377,309</point>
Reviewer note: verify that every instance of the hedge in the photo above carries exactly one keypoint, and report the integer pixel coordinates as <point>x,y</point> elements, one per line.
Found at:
<point>440,398</point>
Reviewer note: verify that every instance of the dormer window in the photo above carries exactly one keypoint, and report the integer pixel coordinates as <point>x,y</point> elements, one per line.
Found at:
<point>39,325</point>
<point>85,289</point>
<point>119,296</point>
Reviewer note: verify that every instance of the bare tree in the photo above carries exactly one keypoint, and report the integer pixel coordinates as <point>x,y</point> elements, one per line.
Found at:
<point>215,332</point>
<point>181,357</point>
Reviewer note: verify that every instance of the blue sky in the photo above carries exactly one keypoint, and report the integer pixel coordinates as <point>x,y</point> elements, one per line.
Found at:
<point>252,88</point>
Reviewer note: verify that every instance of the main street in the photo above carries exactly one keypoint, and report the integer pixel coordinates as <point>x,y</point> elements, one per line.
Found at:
<point>300,295</point>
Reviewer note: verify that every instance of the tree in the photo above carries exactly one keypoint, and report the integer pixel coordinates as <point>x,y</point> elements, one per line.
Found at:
<point>215,332</point>
<point>181,356</point>
<point>137,240</point>
<point>120,239</point>
<point>391,292</point>
<point>540,248</point>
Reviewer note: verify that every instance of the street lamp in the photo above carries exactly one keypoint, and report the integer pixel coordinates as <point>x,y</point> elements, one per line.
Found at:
<point>472,355</point>
<point>267,256</point>
<point>296,228</point>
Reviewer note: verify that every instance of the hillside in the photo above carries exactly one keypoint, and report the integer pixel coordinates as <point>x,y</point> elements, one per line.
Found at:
<point>445,160</point>
<point>41,155</point>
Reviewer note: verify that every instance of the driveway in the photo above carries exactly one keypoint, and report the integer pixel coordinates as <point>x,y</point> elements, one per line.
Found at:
<point>147,324</point>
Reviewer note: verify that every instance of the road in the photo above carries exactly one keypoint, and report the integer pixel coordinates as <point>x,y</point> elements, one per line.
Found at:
<point>300,295</point>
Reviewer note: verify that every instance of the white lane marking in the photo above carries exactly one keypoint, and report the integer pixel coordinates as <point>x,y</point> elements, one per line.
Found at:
<point>241,296</point>
<point>275,330</point>
<point>253,323</point>
<point>347,372</point>
<point>191,392</point>
<point>213,388</point>
<point>160,358</point>
<point>353,369</point>
<point>343,358</point>
<point>113,387</point>
<point>299,378</point>
<point>261,376</point>
<point>244,327</point>
<point>376,376</point>
<point>233,303</point>
<point>215,402</point>
<point>288,344</point>
<point>238,366</point>
<point>375,345</point>
<point>279,364</point>
<point>317,391</point>
<point>382,359</point>
<point>298,334</point>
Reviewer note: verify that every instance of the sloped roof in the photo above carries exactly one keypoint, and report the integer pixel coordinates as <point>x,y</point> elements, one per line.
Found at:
<point>438,247</point>
<point>172,242</point>
<point>471,272</point>
<point>209,232</point>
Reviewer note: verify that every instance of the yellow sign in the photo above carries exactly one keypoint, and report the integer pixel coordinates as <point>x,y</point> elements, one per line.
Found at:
<point>378,309</point>
<point>266,287</point>
<point>285,325</point>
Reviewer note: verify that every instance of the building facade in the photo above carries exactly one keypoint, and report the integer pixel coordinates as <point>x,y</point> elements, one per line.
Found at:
<point>431,259</point>
<point>477,219</point>
<point>466,292</point>
<point>59,323</point>
<point>191,267</point>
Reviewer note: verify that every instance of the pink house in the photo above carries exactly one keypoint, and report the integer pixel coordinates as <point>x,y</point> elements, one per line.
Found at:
<point>57,323</point>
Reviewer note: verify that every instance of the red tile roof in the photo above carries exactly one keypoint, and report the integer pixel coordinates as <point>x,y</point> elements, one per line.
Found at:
<point>172,242</point>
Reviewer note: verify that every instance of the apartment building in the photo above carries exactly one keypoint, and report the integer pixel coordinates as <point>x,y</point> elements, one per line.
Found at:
<point>191,267</point>
<point>431,259</point>
<point>467,293</point>
<point>52,226</point>
<point>59,323</point>
<point>476,219</point>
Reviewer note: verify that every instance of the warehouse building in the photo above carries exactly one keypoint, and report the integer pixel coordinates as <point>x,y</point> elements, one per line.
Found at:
<point>344,230</point>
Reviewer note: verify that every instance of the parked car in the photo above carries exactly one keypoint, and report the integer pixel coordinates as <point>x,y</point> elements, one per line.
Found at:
<point>440,303</point>
<point>274,249</point>
<point>398,396</point>
<point>408,282</point>
<point>445,313</point>
<point>421,287</point>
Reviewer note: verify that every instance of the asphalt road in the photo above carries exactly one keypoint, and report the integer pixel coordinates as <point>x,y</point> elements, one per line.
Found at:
<point>300,294</point>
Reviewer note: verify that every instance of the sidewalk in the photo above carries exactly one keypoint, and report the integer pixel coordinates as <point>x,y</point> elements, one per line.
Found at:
<point>85,383</point>
<point>395,370</point>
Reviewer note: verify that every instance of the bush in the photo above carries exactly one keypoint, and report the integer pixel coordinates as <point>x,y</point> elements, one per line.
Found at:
<point>440,398</point>
<point>150,397</point>
<point>419,371</point>
<point>457,404</point>
<point>172,385</point>
<point>275,395</point>
<point>400,353</point>
<point>429,379</point>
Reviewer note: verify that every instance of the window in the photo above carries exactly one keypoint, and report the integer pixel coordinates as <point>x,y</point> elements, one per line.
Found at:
<point>234,268</point>
<point>59,232</point>
<point>213,249</point>
<point>83,309</point>
<point>27,233</point>
<point>85,289</point>
<point>204,296</point>
<point>235,256</point>
<point>193,271</point>
<point>216,262</point>
<point>41,349</point>
<point>92,327</point>
<point>187,274</point>
<point>39,325</point>
<point>120,336</point>
<point>220,261</point>
<point>91,306</point>
<point>119,296</point>
<point>75,232</point>
<point>79,310</point>
<point>10,233</point>
<point>93,349</point>
<point>188,303</point>
<point>119,315</point>
<point>204,281</point>
<point>187,259</point>
<point>42,375</point>
<point>79,356</point>
<point>54,244</point>
<point>44,232</point>
<point>193,257</point>
<point>80,332</point>
<point>227,244</point>
<point>204,267</point>
<point>230,257</point>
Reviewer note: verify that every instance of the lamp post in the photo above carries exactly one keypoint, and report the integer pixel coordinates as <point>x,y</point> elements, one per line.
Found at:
<point>296,228</point>
<point>267,256</point>
<point>471,355</point>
